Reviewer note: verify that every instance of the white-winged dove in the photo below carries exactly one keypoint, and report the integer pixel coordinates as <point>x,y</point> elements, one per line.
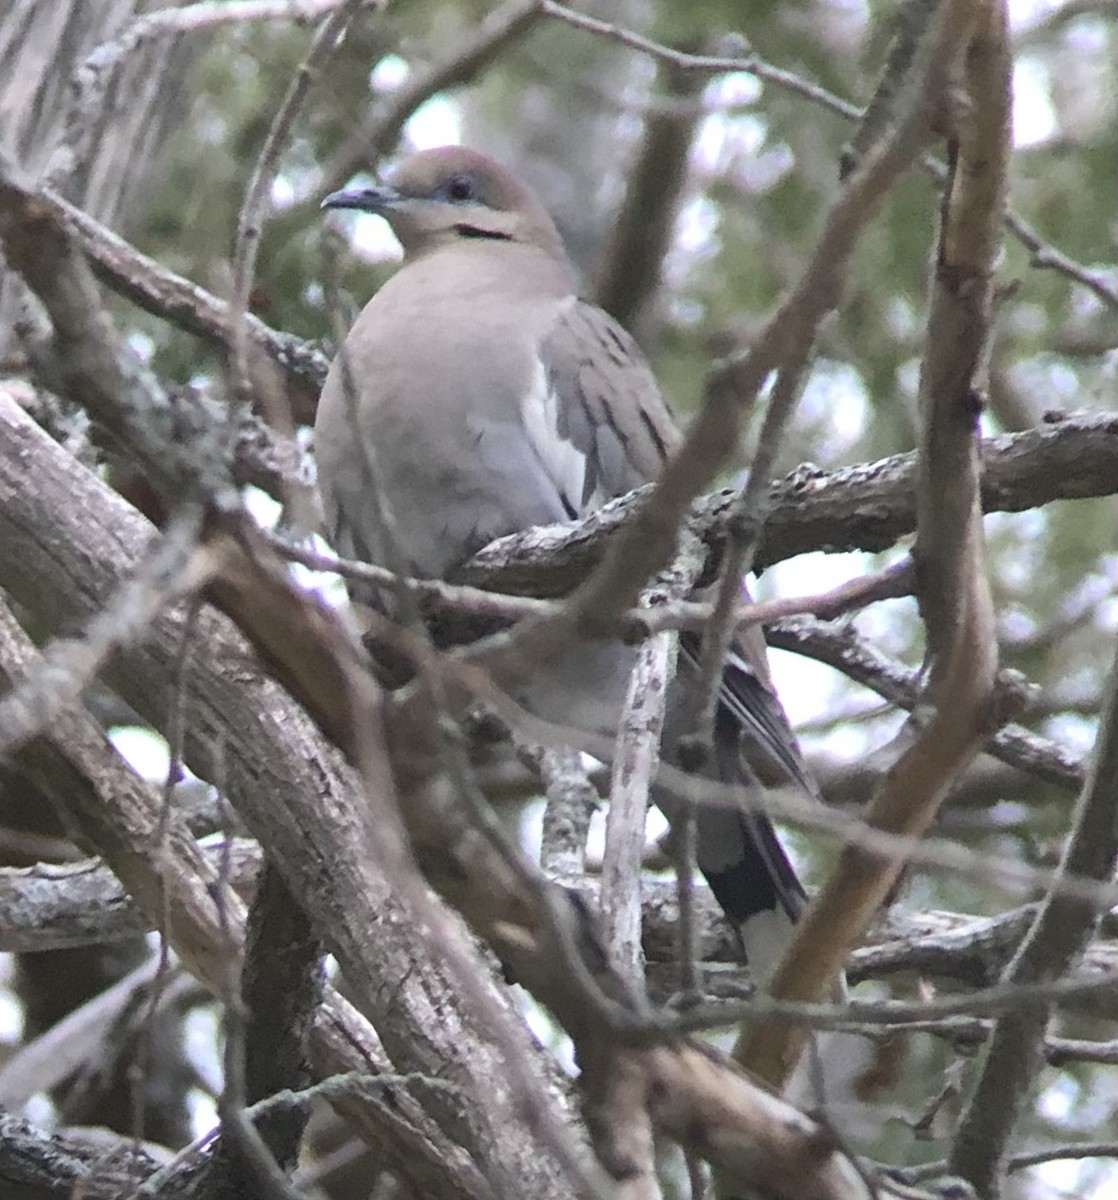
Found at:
<point>495,399</point>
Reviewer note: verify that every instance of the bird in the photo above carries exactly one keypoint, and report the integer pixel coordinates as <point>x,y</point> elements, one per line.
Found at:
<point>492,399</point>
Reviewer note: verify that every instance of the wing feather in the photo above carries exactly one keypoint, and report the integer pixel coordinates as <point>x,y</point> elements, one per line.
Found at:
<point>602,403</point>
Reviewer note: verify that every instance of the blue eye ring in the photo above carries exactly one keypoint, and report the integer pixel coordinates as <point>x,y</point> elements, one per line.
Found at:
<point>460,189</point>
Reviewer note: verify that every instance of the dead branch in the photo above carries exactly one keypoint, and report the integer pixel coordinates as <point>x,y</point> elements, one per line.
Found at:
<point>257,194</point>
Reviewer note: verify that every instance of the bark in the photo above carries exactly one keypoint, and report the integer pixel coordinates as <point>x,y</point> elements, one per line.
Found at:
<point>42,46</point>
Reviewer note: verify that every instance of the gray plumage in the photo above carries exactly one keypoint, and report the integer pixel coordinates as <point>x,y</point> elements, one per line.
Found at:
<point>492,400</point>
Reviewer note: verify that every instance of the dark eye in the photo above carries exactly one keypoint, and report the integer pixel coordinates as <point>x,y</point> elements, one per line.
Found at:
<point>461,187</point>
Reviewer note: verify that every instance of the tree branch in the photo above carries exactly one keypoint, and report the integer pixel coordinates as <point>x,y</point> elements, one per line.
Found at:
<point>94,538</point>
<point>866,507</point>
<point>955,597</point>
<point>1052,947</point>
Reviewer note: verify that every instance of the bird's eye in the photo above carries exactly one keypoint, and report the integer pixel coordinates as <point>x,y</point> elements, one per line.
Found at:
<point>460,188</point>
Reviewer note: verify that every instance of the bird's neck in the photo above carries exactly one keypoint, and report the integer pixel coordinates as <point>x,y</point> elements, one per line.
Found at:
<point>470,265</point>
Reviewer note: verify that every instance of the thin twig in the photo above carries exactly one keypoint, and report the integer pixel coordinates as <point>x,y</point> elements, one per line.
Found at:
<point>748,62</point>
<point>1043,254</point>
<point>996,1001</point>
<point>379,131</point>
<point>1075,1150</point>
<point>841,647</point>
<point>258,192</point>
<point>745,523</point>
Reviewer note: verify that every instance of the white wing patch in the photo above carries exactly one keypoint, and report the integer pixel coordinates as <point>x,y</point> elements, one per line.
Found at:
<point>560,458</point>
<point>765,936</point>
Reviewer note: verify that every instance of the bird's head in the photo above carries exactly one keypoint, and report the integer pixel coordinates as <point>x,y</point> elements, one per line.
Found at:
<point>444,196</point>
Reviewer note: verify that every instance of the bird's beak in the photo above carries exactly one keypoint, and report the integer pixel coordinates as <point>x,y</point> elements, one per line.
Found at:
<point>365,199</point>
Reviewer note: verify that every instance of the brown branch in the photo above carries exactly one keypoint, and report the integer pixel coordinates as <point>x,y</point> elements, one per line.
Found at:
<point>461,613</point>
<point>1047,257</point>
<point>891,583</point>
<point>1053,946</point>
<point>955,597</point>
<point>1060,1052</point>
<point>909,28</point>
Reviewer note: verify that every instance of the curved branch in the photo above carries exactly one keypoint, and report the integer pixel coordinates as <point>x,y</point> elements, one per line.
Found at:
<point>954,593</point>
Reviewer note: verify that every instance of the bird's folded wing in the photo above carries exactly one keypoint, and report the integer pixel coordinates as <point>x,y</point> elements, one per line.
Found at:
<point>601,400</point>
<point>769,744</point>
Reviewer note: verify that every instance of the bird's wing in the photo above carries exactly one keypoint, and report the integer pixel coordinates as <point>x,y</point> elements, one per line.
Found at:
<point>606,406</point>
<point>601,400</point>
<point>747,694</point>
<point>603,403</point>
